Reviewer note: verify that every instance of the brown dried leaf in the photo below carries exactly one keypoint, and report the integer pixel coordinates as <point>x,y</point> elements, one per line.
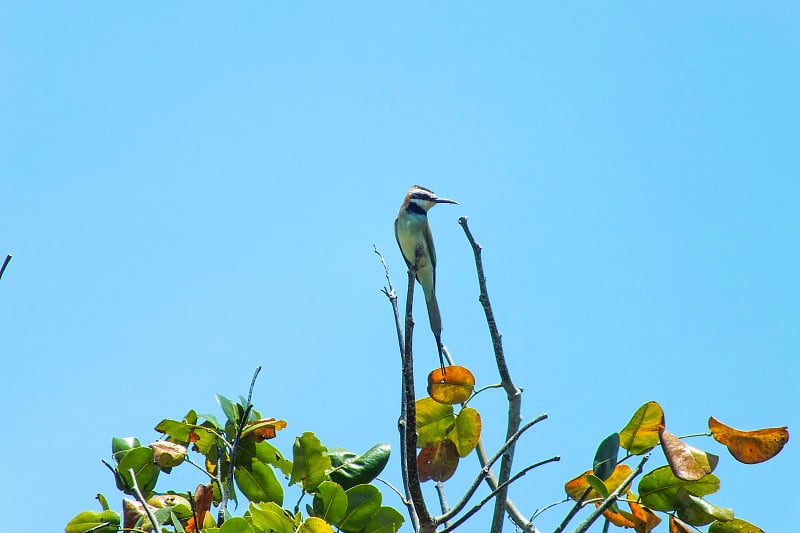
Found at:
<point>686,462</point>
<point>437,461</point>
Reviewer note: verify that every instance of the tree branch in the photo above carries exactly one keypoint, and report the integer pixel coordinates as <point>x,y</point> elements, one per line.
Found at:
<point>414,488</point>
<point>513,393</point>
<point>226,493</point>
<point>486,469</point>
<point>140,497</point>
<point>5,264</point>
<point>494,493</point>
<point>608,502</point>
<point>402,423</point>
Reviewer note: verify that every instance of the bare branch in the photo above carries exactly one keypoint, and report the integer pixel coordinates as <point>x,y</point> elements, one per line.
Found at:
<point>140,497</point>
<point>413,488</point>
<point>442,500</point>
<point>392,296</point>
<point>5,264</point>
<point>516,515</point>
<point>486,469</point>
<point>495,492</point>
<point>512,391</point>
<point>226,493</point>
<point>402,423</point>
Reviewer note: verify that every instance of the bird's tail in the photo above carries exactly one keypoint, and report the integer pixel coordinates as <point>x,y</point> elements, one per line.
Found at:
<point>436,322</point>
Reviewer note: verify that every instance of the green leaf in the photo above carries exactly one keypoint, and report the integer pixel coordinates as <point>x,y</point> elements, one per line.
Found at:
<point>144,468</point>
<point>386,520</point>
<point>233,411</point>
<point>597,484</point>
<point>236,525</point>
<point>351,469</point>
<point>734,526</point>
<point>640,435</point>
<point>264,452</point>
<point>315,525</point>
<point>270,517</point>
<point>659,488</point>
<point>434,421</point>
<point>310,462</point>
<point>363,501</point>
<point>176,522</point>
<point>698,512</point>
<point>330,502</point>
<point>94,521</point>
<point>466,431</point>
<point>605,458</point>
<point>120,446</point>
<point>203,437</point>
<point>258,483</point>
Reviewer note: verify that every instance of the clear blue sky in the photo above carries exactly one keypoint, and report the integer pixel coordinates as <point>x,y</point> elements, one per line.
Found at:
<point>192,190</point>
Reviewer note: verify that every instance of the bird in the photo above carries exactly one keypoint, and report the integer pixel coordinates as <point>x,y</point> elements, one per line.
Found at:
<point>413,234</point>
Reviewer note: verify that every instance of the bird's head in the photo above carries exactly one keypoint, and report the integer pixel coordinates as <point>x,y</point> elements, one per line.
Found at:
<point>425,198</point>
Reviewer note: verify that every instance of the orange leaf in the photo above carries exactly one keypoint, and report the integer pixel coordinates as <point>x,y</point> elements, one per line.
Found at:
<point>203,496</point>
<point>621,518</point>
<point>453,385</point>
<point>749,447</point>
<point>437,461</point>
<point>578,485</point>
<point>265,428</point>
<point>648,520</point>
<point>686,462</point>
<point>678,526</point>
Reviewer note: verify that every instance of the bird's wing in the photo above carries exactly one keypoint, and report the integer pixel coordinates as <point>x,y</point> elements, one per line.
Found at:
<point>397,238</point>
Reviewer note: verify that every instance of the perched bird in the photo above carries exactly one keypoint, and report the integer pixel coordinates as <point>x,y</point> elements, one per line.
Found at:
<point>414,237</point>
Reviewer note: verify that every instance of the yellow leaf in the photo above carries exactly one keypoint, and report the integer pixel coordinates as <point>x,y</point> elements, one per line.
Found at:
<point>641,433</point>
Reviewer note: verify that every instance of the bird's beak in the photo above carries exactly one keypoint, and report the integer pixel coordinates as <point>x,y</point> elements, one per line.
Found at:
<point>445,201</point>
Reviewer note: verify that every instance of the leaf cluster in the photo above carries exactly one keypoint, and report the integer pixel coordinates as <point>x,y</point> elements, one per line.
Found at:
<point>443,435</point>
<point>677,488</point>
<point>237,453</point>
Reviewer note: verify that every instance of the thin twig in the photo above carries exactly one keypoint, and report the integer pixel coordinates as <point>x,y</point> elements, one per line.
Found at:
<point>538,512</point>
<point>141,499</point>
<point>392,295</point>
<point>608,502</point>
<point>402,423</point>
<point>512,391</point>
<point>486,468</point>
<point>516,515</point>
<point>393,489</point>
<point>442,499</point>
<point>495,492</point>
<point>572,512</point>
<point>223,504</point>
<point>194,509</point>
<point>5,264</point>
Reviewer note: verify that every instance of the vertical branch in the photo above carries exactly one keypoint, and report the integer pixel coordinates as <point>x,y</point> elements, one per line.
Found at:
<point>410,409</point>
<point>512,392</point>
<point>402,424</point>
<point>226,493</point>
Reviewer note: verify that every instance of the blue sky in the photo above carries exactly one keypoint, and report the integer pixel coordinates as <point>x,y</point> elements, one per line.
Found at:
<point>191,190</point>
